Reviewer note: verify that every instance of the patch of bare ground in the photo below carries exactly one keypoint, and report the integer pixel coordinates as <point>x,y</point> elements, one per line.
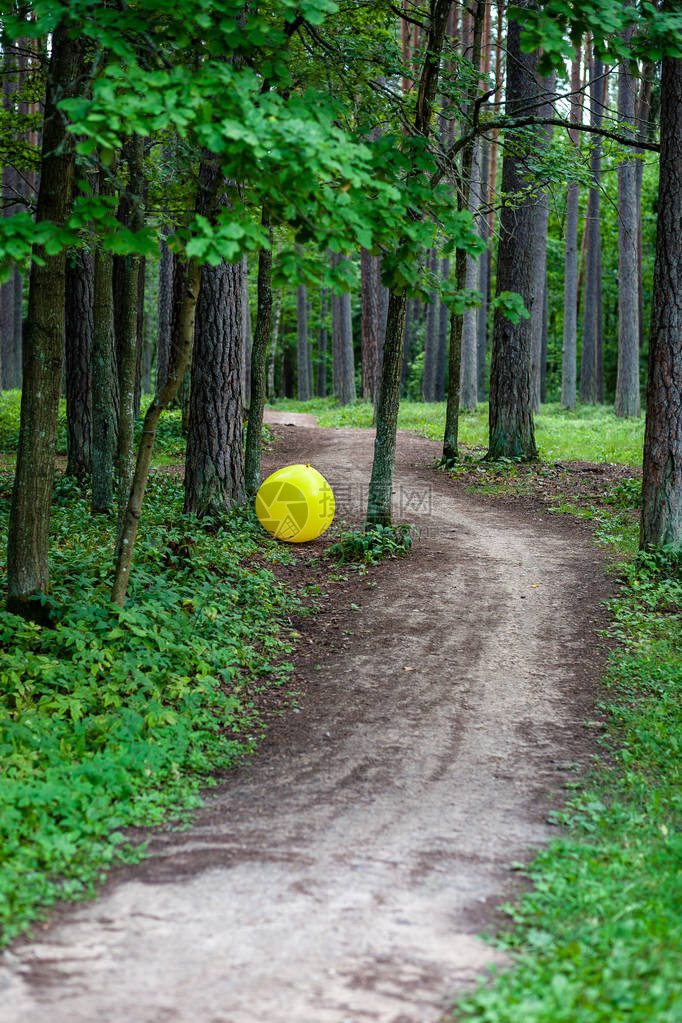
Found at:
<point>342,874</point>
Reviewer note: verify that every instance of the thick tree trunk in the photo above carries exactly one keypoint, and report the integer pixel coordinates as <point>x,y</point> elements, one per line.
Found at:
<point>80,279</point>
<point>589,364</point>
<point>27,566</point>
<point>661,521</point>
<point>259,355</point>
<point>627,379</point>
<point>511,416</point>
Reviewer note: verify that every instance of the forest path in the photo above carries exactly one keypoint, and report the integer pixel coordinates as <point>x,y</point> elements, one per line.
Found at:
<point>342,874</point>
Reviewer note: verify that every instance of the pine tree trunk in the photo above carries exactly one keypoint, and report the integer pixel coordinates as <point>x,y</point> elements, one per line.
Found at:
<point>259,356</point>
<point>322,342</point>
<point>468,385</point>
<point>540,253</point>
<point>347,393</point>
<point>511,416</point>
<point>371,312</point>
<point>247,337</point>
<point>164,314</point>
<point>27,565</point>
<point>104,376</point>
<point>483,272</point>
<point>627,379</point>
<point>273,345</point>
<point>303,382</point>
<point>589,364</point>
<point>661,521</point>
<point>80,279</point>
<point>133,154</point>
<point>570,337</point>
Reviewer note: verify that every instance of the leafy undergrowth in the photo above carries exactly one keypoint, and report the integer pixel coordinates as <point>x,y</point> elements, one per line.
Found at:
<point>597,940</point>
<point>590,433</point>
<point>369,546</point>
<point>116,718</point>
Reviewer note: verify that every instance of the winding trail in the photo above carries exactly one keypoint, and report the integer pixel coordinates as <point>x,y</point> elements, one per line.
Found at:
<point>341,875</point>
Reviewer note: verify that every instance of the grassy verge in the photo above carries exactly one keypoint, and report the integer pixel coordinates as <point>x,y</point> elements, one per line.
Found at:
<point>597,939</point>
<point>591,433</point>
<point>113,718</point>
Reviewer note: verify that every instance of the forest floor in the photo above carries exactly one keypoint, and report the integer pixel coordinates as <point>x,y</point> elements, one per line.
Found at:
<point>345,871</point>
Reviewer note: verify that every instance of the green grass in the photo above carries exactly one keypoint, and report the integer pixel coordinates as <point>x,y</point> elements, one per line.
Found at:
<point>590,434</point>
<point>116,718</point>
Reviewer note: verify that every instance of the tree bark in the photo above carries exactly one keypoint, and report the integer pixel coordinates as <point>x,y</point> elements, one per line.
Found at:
<point>431,337</point>
<point>322,341</point>
<point>347,393</point>
<point>247,337</point>
<point>468,384</point>
<point>273,344</point>
<point>381,482</point>
<point>80,279</point>
<point>133,154</point>
<point>164,314</point>
<point>304,389</point>
<point>627,378</point>
<point>537,307</point>
<point>570,337</point>
<point>370,300</point>
<point>442,350</point>
<point>661,520</point>
<point>104,376</point>
<point>27,565</point>
<point>259,355</point>
<point>589,363</point>
<point>511,416</point>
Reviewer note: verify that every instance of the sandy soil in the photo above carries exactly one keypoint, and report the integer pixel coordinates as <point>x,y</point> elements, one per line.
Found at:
<point>342,875</point>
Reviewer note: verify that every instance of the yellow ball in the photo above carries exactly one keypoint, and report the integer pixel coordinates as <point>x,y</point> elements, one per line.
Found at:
<point>295,504</point>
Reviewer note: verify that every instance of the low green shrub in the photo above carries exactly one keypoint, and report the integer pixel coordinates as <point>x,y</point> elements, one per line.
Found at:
<point>372,545</point>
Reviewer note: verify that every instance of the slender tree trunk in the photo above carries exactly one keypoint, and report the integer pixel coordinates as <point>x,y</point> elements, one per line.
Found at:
<point>661,521</point>
<point>370,300</point>
<point>589,382</point>
<point>431,337</point>
<point>379,497</point>
<point>442,351</point>
<point>259,355</point>
<point>302,349</point>
<point>468,385</point>
<point>104,376</point>
<point>133,154</point>
<point>27,566</point>
<point>322,340</point>
<point>643,131</point>
<point>247,339</point>
<point>164,314</point>
<point>80,278</point>
<point>511,416</point>
<point>273,344</point>
<point>347,392</point>
<point>540,254</point>
<point>627,379</point>
<point>569,352</point>
<point>483,271</point>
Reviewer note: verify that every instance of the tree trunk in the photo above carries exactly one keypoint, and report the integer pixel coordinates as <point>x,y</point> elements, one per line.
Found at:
<point>537,307</point>
<point>511,416</point>
<point>569,356</point>
<point>468,384</point>
<point>589,364</point>
<point>643,131</point>
<point>379,497</point>
<point>347,392</point>
<point>303,381</point>
<point>247,339</point>
<point>322,341</point>
<point>104,376</point>
<point>259,355</point>
<point>371,328</point>
<point>80,278</point>
<point>164,314</point>
<point>27,566</point>
<point>431,338</point>
<point>627,379</point>
<point>133,154</point>
<point>661,521</point>
<point>273,345</point>
<point>442,351</point>
<point>483,272</point>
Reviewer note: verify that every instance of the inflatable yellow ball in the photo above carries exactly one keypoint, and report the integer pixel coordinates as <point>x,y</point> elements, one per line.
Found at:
<point>295,504</point>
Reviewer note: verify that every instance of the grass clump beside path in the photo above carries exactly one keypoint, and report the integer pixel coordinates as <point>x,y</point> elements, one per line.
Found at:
<point>116,717</point>
<point>590,433</point>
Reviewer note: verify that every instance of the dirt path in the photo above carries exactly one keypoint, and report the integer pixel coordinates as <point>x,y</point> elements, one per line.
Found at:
<point>342,875</point>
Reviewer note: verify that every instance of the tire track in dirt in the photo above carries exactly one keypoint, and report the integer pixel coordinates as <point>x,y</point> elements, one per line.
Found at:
<point>342,875</point>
